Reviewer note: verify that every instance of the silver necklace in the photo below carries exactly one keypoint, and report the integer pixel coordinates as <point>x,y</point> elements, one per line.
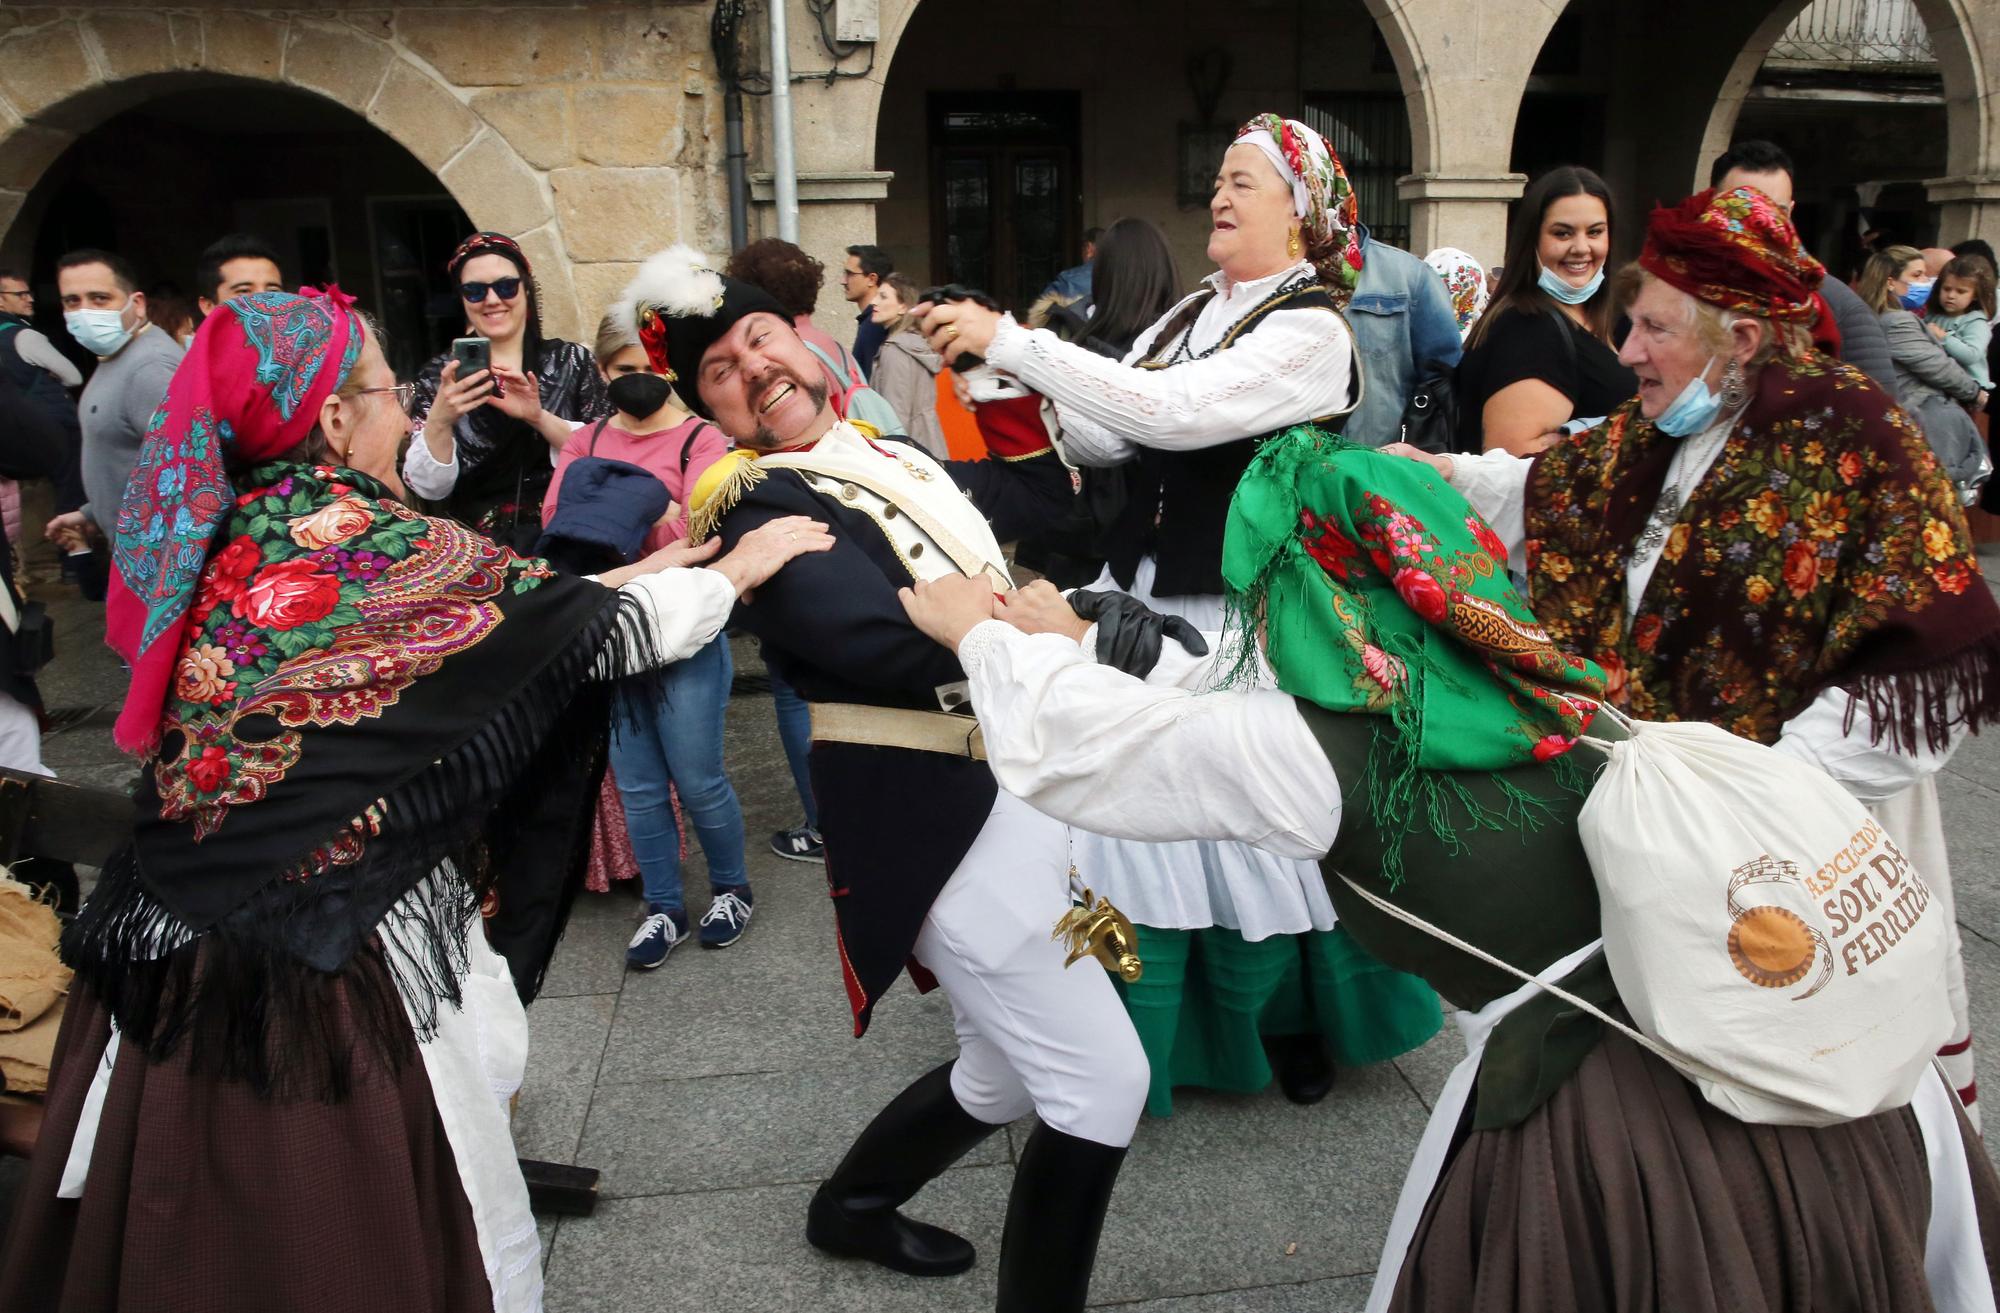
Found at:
<point>1668,509</point>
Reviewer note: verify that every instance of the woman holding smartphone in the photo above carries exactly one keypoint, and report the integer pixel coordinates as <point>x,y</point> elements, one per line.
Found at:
<point>488,434</point>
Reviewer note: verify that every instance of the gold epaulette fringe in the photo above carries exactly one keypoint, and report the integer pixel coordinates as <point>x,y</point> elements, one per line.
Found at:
<point>718,490</point>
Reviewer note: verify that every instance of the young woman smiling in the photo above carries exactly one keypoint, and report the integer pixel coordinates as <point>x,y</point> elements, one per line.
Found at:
<point>486,442</point>
<point>1542,355</point>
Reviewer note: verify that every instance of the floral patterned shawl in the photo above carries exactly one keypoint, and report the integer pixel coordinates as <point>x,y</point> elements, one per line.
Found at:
<point>1824,548</point>
<point>364,722</point>
<point>1379,590</point>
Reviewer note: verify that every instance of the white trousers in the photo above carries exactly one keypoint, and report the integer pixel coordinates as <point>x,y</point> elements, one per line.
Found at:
<point>1033,1036</point>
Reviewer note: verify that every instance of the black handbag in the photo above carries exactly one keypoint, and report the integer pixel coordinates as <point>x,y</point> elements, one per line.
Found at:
<point>1430,420</point>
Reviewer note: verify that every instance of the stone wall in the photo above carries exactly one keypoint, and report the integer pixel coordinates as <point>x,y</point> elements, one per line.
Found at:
<point>593,134</point>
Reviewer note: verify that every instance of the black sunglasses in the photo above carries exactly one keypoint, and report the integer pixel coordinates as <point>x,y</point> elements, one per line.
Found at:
<point>474,293</point>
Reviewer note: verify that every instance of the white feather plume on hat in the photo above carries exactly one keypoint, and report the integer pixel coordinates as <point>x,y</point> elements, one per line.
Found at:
<point>679,282</point>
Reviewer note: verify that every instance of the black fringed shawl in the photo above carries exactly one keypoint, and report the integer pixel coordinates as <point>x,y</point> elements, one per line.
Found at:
<point>1824,548</point>
<point>368,701</point>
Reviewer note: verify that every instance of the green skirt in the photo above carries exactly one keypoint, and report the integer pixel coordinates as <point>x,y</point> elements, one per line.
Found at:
<point>1207,997</point>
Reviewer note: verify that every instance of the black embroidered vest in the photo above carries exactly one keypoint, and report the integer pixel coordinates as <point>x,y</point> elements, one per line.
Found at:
<point>1180,499</point>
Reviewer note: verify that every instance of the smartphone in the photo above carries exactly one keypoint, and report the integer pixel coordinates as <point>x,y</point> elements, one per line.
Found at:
<point>472,354</point>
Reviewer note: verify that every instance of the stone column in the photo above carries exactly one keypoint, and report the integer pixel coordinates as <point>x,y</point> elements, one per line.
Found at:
<point>1969,206</point>
<point>1467,210</point>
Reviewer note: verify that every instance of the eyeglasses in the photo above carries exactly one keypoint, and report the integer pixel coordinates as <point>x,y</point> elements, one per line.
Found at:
<point>406,393</point>
<point>505,288</point>
<point>16,291</point>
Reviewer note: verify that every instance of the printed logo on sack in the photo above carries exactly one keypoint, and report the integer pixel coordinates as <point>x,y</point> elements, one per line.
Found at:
<point>1870,897</point>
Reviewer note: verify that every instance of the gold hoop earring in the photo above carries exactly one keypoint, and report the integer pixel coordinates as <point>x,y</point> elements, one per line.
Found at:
<point>1292,243</point>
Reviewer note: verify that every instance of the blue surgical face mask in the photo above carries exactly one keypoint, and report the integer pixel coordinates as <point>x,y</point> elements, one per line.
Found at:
<point>100,332</point>
<point>1918,295</point>
<point>1694,409</point>
<point>1563,292</point>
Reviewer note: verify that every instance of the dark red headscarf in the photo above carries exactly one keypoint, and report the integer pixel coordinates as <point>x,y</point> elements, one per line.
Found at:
<point>249,388</point>
<point>1738,250</point>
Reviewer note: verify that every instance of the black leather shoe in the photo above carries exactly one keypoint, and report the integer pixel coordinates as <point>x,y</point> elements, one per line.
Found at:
<point>1055,1213</point>
<point>921,1132</point>
<point>1304,1066</point>
<point>886,1237</point>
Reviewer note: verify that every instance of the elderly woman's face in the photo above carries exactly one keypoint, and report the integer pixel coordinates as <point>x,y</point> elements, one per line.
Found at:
<point>1575,238</point>
<point>1664,347</point>
<point>1253,216</point>
<point>370,428</point>
<point>499,317</point>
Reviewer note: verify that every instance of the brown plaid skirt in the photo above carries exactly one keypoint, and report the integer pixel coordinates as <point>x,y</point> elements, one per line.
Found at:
<point>1627,1192</point>
<point>201,1196</point>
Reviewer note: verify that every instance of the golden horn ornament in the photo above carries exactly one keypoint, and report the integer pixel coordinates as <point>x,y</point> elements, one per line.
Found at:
<point>1094,928</point>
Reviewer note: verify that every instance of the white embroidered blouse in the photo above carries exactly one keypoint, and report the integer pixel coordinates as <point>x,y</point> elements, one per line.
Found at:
<point>1297,365</point>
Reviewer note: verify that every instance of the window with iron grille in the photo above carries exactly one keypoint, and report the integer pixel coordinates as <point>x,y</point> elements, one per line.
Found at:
<point>1371,134</point>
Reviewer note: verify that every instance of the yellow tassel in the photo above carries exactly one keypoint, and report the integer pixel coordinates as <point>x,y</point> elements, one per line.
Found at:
<point>718,490</point>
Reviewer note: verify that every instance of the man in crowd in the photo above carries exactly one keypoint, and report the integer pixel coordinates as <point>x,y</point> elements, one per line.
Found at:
<point>43,376</point>
<point>236,265</point>
<point>864,271</point>
<point>23,347</point>
<point>930,866</point>
<point>1069,289</point>
<point>1765,166</point>
<point>105,312</point>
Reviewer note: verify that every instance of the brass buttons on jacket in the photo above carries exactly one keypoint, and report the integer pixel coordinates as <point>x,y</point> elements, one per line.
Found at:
<point>848,492</point>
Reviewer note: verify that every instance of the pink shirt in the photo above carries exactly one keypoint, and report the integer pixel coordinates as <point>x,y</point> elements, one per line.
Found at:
<point>657,453</point>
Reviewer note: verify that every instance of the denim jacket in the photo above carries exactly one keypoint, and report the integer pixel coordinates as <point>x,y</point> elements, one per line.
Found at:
<point>1404,332</point>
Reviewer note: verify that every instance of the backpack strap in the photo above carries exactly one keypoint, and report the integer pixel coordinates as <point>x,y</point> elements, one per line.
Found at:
<point>591,450</point>
<point>687,447</point>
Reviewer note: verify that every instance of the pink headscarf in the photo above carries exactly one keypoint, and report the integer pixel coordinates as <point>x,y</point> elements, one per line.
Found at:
<point>250,387</point>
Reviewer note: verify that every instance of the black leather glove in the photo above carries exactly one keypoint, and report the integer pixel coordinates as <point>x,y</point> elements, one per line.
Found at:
<point>1130,633</point>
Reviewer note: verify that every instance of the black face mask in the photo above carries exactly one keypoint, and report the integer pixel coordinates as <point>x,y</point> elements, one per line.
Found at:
<point>639,395</point>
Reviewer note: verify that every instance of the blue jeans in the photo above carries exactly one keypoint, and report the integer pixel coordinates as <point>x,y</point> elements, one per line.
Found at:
<point>680,742</point>
<point>795,730</point>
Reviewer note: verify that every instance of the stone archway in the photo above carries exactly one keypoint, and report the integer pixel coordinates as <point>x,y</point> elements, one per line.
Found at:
<point>1462,131</point>
<point>1959,61</point>
<point>61,78</point>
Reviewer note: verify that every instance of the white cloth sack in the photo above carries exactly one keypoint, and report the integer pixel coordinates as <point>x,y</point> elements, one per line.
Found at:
<point>1763,928</point>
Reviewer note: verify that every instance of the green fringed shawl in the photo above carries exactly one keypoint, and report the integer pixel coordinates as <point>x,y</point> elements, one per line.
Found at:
<point>1378,590</point>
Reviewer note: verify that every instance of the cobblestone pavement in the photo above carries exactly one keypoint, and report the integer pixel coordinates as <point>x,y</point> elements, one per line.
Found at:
<point>715,1092</point>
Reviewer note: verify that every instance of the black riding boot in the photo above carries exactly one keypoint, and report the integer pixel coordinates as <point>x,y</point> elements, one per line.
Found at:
<point>1054,1216</point>
<point>921,1132</point>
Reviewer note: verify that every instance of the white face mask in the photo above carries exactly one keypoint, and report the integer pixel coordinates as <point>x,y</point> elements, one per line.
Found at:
<point>100,332</point>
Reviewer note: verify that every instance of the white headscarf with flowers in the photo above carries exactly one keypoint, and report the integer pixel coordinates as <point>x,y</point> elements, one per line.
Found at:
<point>1464,281</point>
<point>1321,196</point>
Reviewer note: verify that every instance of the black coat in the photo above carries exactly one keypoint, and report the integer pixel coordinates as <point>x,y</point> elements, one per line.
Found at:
<point>896,822</point>
<point>32,446</point>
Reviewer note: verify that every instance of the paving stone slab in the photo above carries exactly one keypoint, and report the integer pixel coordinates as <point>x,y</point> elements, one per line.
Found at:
<point>565,1046</point>
<point>1335,1295</point>
<point>744,1251</point>
<point>1212,1197</point>
<point>726,1132</point>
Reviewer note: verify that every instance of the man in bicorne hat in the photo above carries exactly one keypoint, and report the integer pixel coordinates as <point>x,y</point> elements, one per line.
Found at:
<point>928,863</point>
